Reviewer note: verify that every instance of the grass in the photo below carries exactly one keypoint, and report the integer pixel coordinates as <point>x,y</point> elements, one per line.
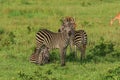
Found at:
<point>21,19</point>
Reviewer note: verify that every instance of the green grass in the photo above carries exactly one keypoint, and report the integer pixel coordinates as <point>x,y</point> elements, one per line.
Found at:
<point>21,19</point>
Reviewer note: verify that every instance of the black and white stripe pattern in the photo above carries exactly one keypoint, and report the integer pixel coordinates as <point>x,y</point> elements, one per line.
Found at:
<point>80,41</point>
<point>41,58</point>
<point>53,40</point>
<point>79,37</point>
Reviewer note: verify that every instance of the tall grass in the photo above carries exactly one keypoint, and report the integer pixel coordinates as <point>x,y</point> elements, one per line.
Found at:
<point>21,19</point>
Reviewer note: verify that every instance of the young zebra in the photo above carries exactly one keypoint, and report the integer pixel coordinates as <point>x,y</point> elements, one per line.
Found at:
<point>41,58</point>
<point>79,37</point>
<point>53,40</point>
<point>68,21</point>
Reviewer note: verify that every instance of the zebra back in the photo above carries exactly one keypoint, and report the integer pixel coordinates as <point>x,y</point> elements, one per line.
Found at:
<point>80,37</point>
<point>50,39</point>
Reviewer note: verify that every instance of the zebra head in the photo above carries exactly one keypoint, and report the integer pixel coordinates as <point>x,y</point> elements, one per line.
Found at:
<point>40,55</point>
<point>67,22</point>
<point>68,25</point>
<point>33,56</point>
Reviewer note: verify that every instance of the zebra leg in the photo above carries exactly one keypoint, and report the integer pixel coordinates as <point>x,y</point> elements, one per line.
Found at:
<point>71,45</point>
<point>75,51</point>
<point>71,48</point>
<point>62,56</point>
<point>82,50</point>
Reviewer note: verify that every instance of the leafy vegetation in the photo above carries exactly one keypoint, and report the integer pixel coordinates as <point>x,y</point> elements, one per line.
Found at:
<point>21,19</point>
<point>103,52</point>
<point>113,74</point>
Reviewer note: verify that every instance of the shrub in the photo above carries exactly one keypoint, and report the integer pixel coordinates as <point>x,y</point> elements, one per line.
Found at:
<point>71,57</point>
<point>54,56</point>
<point>102,49</point>
<point>37,75</point>
<point>116,54</point>
<point>112,74</point>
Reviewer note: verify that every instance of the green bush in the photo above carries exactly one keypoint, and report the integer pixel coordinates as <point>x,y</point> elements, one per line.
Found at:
<point>37,75</point>
<point>54,56</point>
<point>112,74</point>
<point>71,57</point>
<point>116,54</point>
<point>102,49</point>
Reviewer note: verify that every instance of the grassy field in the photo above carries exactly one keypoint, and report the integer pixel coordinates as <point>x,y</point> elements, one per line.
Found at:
<point>21,19</point>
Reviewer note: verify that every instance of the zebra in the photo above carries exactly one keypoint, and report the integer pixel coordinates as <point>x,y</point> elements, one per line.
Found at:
<point>79,37</point>
<point>54,40</point>
<point>68,21</point>
<point>41,58</point>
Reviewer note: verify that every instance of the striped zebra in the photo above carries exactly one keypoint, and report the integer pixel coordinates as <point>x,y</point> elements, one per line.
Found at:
<point>41,58</point>
<point>54,40</point>
<point>68,21</point>
<point>79,37</point>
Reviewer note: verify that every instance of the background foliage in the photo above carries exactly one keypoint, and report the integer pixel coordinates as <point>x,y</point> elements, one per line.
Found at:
<point>21,19</point>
